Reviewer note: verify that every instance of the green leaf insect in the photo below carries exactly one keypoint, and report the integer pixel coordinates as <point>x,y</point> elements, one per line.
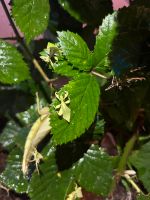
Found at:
<point>50,54</point>
<point>64,110</point>
<point>38,131</point>
<point>76,194</point>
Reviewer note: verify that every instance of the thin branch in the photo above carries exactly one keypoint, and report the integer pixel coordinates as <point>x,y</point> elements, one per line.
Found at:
<point>38,67</point>
<point>134,185</point>
<point>143,138</point>
<point>135,79</point>
<point>10,19</point>
<point>98,74</point>
<point>127,150</point>
<point>23,44</point>
<point>8,38</point>
<point>4,188</point>
<point>123,160</point>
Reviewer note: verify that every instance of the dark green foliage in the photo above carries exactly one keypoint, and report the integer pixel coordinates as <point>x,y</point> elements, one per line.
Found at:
<point>143,197</point>
<point>105,93</point>
<point>12,176</point>
<point>88,11</point>
<point>83,105</point>
<point>132,37</point>
<point>31,20</point>
<point>140,160</point>
<point>55,185</point>
<point>14,133</point>
<point>14,99</point>
<point>94,171</point>
<point>12,67</point>
<point>104,39</point>
<point>8,134</point>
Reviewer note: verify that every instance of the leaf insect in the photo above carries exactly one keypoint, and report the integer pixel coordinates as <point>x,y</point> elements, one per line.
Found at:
<point>63,109</point>
<point>38,131</point>
<point>50,54</point>
<point>76,194</point>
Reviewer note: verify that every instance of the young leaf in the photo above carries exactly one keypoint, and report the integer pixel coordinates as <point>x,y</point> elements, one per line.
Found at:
<point>31,16</point>
<point>12,67</point>
<point>50,54</point>
<point>140,160</point>
<point>55,185</point>
<point>12,176</point>
<point>75,49</point>
<point>94,172</point>
<point>64,69</point>
<point>84,93</point>
<point>107,32</point>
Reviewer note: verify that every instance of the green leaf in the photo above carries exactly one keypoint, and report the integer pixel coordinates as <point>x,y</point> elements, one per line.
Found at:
<point>21,137</point>
<point>99,128</point>
<point>29,116</point>
<point>14,98</point>
<point>75,49</point>
<point>12,67</point>
<point>12,176</point>
<point>94,172</point>
<point>55,186</point>
<point>120,112</point>
<point>132,34</point>
<point>107,32</point>
<point>62,68</point>
<point>143,197</point>
<point>13,134</point>
<point>8,134</point>
<point>84,100</point>
<point>140,160</point>
<point>66,5</point>
<point>88,11</point>
<point>31,16</point>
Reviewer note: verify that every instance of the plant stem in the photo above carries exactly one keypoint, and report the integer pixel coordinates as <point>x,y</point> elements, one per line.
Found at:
<point>134,185</point>
<point>98,74</point>
<point>4,188</point>
<point>10,19</point>
<point>9,38</point>
<point>123,161</point>
<point>23,44</point>
<point>39,68</point>
<point>143,138</point>
<point>127,150</point>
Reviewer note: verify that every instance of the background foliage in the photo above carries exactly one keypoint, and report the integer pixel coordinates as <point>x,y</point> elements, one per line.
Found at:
<point>107,80</point>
